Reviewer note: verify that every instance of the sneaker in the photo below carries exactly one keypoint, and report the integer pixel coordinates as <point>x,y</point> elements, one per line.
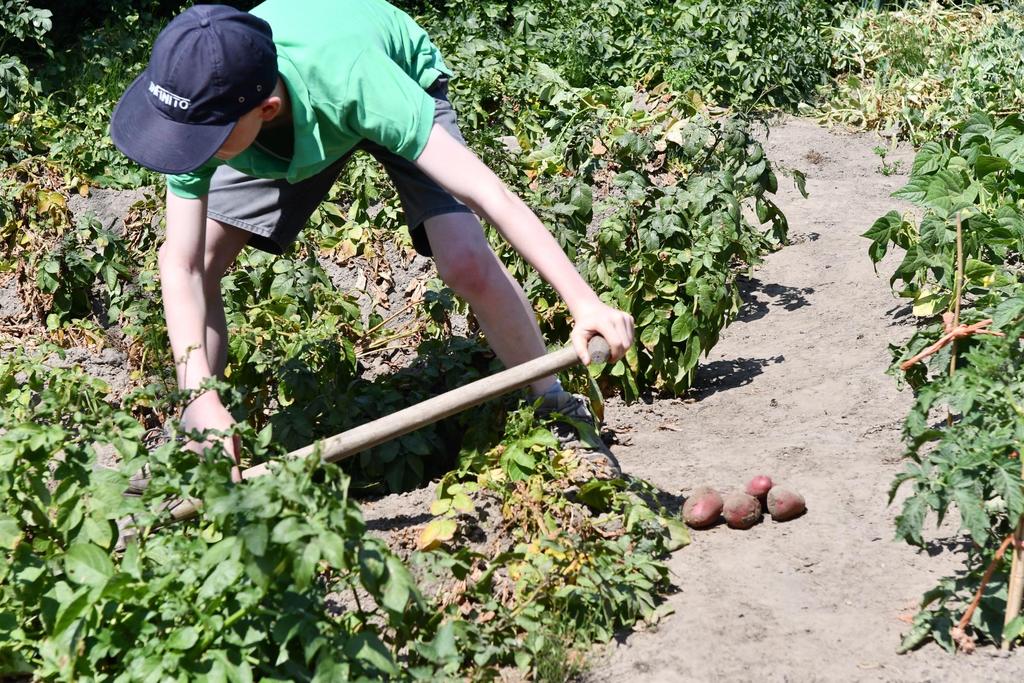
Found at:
<point>138,482</point>
<point>578,431</point>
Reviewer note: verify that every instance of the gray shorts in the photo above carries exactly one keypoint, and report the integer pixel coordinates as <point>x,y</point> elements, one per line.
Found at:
<point>274,211</point>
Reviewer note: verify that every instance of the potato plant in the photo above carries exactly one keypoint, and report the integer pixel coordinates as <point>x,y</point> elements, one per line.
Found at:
<point>670,253</point>
<point>279,579</point>
<point>23,24</point>
<point>245,594</point>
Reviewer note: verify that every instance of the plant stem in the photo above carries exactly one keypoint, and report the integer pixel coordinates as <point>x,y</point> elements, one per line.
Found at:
<point>380,344</point>
<point>966,619</point>
<point>355,596</point>
<point>391,317</point>
<point>228,623</point>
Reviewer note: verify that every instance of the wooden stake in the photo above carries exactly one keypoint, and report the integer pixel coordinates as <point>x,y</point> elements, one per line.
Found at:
<point>957,290</point>
<point>1015,594</point>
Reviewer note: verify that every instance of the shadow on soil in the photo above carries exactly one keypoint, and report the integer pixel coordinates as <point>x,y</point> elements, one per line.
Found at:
<point>672,503</point>
<point>774,296</point>
<point>950,544</point>
<point>902,314</point>
<point>396,522</point>
<point>723,375</point>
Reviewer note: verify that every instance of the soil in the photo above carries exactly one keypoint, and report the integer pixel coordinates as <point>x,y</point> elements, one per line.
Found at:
<point>107,206</point>
<point>11,308</point>
<point>795,389</point>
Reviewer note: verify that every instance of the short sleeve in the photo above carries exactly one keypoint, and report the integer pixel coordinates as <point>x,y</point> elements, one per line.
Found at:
<point>388,106</point>
<point>192,185</point>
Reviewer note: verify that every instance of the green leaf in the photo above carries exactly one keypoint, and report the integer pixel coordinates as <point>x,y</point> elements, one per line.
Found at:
<point>946,191</point>
<point>183,638</point>
<point>928,302</point>
<point>442,648</point>
<point>10,532</point>
<point>650,336</point>
<point>1008,484</point>
<point>225,574</point>
<point>399,586</point>
<point>972,513</point>
<point>255,537</point>
<point>131,561</point>
<point>928,159</point>
<point>265,436</point>
<point>289,530</point>
<point>1008,311</point>
<point>976,271</point>
<point>919,632</point>
<point>99,531</point>
<point>1009,144</point>
<point>582,198</point>
<point>71,611</point>
<point>914,191</point>
<point>679,535</point>
<point>334,549</point>
<point>599,493</point>
<point>1014,630</point>
<point>683,326</point>
<point>88,565</point>
<point>306,563</point>
<point>367,648</point>
<point>986,164</point>
<point>881,234</point>
<point>801,183</point>
<point>978,129</point>
<point>911,520</point>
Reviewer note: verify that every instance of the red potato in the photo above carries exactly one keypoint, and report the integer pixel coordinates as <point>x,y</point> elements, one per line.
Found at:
<point>741,511</point>
<point>785,504</point>
<point>702,508</point>
<point>758,487</point>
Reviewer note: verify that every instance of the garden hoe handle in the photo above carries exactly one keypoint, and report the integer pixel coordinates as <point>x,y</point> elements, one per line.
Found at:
<point>347,444</point>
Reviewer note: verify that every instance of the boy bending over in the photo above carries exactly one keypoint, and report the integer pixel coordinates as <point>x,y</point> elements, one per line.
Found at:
<point>253,115</point>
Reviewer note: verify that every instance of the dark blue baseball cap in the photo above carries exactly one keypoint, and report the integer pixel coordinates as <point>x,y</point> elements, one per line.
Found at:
<point>210,65</point>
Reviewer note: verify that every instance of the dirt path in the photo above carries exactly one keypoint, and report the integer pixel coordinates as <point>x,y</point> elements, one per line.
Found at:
<point>796,389</point>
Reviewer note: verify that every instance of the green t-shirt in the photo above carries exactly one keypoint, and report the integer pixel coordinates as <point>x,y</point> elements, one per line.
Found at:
<point>355,70</point>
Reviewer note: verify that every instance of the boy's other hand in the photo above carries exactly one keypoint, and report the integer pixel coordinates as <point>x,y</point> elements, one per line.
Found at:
<point>207,412</point>
<point>597,318</point>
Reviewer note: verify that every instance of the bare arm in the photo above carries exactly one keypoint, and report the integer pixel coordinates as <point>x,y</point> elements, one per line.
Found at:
<point>459,171</point>
<point>182,269</point>
<point>181,280</point>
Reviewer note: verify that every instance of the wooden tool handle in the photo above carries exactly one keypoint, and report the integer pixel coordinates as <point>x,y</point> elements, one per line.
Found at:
<point>358,439</point>
<point>1015,592</point>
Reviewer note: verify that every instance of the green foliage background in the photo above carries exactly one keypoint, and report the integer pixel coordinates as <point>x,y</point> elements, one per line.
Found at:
<point>635,122</point>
